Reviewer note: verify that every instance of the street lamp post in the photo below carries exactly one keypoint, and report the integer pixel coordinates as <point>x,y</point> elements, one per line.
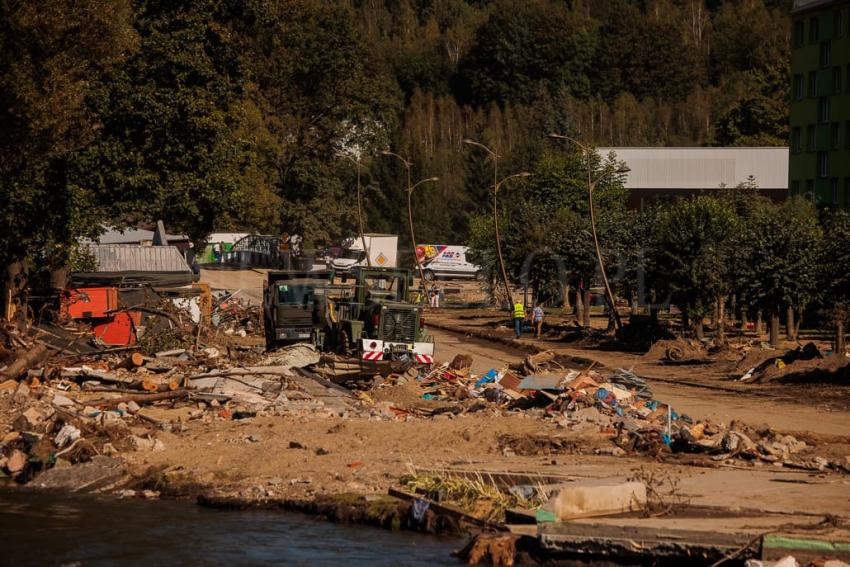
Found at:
<point>410,187</point>
<point>357,164</point>
<point>591,184</point>
<point>496,185</point>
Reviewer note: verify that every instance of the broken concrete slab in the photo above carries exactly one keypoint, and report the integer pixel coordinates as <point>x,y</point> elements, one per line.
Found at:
<point>98,474</point>
<point>574,502</point>
<point>148,444</point>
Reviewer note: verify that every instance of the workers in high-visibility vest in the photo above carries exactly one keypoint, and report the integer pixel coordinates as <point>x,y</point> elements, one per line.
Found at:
<point>519,318</point>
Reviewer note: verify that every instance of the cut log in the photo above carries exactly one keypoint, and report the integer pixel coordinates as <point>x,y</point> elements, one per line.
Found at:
<point>133,361</point>
<point>26,360</point>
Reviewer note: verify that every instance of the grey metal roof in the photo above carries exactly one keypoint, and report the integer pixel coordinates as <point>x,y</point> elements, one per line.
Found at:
<point>130,258</point>
<point>702,168</point>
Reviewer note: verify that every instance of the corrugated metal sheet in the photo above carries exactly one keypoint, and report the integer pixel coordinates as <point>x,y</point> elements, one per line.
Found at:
<point>702,168</point>
<point>129,258</point>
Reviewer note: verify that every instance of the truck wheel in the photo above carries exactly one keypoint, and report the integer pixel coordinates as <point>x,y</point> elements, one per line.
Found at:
<point>271,339</point>
<point>342,347</point>
<point>429,275</point>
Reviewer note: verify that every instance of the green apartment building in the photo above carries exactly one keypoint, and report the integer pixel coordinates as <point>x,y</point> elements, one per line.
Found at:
<point>819,164</point>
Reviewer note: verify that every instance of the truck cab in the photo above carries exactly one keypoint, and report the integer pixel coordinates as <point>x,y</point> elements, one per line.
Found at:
<point>290,305</point>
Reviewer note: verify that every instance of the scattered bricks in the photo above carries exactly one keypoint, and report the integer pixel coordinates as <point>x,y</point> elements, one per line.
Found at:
<point>10,437</point>
<point>30,420</point>
<point>22,392</point>
<point>16,462</point>
<point>61,401</point>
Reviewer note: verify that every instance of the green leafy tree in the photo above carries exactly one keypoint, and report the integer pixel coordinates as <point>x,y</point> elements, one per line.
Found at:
<point>693,243</point>
<point>780,251</point>
<point>166,147</point>
<point>525,46</point>
<point>49,52</point>
<point>836,274</point>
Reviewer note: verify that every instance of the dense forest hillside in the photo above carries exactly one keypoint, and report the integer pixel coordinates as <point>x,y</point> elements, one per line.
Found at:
<point>218,114</point>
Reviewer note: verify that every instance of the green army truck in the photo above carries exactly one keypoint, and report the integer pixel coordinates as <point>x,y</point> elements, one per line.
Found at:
<point>291,306</point>
<point>375,319</point>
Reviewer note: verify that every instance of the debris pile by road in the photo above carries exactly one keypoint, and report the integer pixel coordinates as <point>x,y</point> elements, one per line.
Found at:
<point>59,410</point>
<point>618,404</point>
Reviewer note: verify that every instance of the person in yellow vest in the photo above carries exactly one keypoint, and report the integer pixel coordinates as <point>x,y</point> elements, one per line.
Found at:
<point>519,318</point>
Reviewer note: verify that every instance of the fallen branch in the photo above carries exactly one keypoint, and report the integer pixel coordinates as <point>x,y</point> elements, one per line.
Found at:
<point>26,360</point>
<point>142,398</point>
<point>251,371</point>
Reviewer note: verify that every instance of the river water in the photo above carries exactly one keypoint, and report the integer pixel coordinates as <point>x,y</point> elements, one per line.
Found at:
<point>39,528</point>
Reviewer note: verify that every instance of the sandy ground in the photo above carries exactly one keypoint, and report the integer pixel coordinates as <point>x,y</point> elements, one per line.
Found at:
<point>305,456</point>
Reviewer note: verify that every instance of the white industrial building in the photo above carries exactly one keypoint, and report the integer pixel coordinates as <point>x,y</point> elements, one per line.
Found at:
<point>660,173</point>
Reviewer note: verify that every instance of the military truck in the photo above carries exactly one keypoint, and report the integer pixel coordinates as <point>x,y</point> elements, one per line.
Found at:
<point>375,319</point>
<point>291,311</point>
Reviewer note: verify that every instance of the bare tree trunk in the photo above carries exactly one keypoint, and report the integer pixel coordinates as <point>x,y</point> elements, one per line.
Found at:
<point>720,337</point>
<point>774,327</point>
<point>635,306</point>
<point>566,295</point>
<point>789,324</point>
<point>699,330</point>
<point>759,323</point>
<point>744,321</point>
<point>12,290</point>
<point>840,345</point>
<point>579,307</point>
<point>586,313</point>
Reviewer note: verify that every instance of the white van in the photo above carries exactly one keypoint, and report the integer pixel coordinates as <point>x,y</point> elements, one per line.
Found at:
<point>446,262</point>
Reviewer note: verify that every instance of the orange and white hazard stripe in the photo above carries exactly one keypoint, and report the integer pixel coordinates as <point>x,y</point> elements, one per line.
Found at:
<point>375,355</point>
<point>424,359</point>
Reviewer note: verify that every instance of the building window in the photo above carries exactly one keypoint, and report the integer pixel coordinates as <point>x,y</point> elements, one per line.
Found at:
<point>835,136</point>
<point>823,164</point>
<point>836,80</point>
<point>823,109</point>
<point>799,34</point>
<point>796,140</point>
<point>833,189</point>
<point>838,21</point>
<point>813,30</point>
<point>798,87</point>
<point>810,189</point>
<point>813,84</point>
<point>826,53</point>
<point>810,138</point>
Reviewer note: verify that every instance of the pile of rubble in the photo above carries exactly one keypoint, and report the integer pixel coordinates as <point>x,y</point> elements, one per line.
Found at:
<point>60,410</point>
<point>618,404</point>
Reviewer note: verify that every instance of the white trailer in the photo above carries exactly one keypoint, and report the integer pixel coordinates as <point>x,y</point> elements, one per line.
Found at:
<point>381,249</point>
